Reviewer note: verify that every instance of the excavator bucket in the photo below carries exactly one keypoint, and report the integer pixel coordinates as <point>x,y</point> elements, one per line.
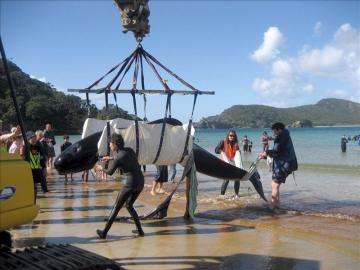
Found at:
<point>134,17</point>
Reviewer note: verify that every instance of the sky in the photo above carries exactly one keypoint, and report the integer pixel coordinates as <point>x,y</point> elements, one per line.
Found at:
<point>277,53</point>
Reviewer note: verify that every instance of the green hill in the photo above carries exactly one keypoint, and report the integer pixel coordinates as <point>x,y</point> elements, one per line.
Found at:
<point>40,103</point>
<point>327,112</point>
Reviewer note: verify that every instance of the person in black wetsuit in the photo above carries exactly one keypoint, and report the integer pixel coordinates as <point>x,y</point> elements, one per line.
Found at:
<point>65,145</point>
<point>344,141</point>
<point>125,159</point>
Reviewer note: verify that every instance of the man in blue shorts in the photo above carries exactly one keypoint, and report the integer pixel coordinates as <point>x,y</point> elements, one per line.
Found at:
<point>284,160</point>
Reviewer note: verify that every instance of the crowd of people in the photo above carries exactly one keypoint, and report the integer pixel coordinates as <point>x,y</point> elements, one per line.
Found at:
<point>41,151</point>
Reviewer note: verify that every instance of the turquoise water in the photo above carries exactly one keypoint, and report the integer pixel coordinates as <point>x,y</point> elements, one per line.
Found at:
<point>327,182</point>
<point>313,146</point>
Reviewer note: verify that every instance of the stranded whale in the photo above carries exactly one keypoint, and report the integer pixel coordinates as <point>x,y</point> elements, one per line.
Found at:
<point>83,155</point>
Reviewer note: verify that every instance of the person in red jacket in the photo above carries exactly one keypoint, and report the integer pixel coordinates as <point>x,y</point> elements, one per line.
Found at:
<point>228,148</point>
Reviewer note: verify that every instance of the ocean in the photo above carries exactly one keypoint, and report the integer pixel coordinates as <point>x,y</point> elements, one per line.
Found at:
<point>326,183</point>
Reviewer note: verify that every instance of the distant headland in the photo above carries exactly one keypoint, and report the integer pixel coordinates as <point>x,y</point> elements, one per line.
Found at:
<point>327,112</point>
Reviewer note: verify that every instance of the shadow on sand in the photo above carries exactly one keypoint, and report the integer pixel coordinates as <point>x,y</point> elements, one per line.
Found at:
<point>237,261</point>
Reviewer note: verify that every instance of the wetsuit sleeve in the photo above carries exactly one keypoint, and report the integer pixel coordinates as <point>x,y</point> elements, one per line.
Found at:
<point>114,164</point>
<point>219,147</point>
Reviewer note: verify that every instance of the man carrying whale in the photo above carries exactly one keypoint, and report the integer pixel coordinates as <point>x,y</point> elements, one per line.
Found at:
<point>125,159</point>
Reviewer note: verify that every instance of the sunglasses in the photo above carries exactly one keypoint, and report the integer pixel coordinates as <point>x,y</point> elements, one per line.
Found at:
<point>231,135</point>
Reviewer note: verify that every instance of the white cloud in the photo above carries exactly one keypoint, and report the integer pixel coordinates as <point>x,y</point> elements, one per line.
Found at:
<point>275,86</point>
<point>317,28</point>
<point>321,61</point>
<point>338,93</point>
<point>338,60</point>
<point>41,79</point>
<point>269,48</point>
<point>282,68</point>
<point>309,88</point>
<point>282,83</point>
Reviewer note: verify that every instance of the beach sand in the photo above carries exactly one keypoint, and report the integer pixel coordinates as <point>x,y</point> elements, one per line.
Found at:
<point>225,234</point>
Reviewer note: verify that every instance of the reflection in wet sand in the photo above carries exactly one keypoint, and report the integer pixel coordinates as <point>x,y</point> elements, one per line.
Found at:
<point>225,234</point>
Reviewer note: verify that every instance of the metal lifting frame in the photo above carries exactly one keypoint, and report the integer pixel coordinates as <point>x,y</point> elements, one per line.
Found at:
<point>136,59</point>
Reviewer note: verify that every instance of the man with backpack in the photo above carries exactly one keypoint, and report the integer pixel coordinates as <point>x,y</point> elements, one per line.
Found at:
<point>284,160</point>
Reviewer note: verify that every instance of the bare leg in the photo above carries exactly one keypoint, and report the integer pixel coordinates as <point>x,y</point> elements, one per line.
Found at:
<point>51,162</point>
<point>160,190</point>
<point>275,194</point>
<point>154,184</point>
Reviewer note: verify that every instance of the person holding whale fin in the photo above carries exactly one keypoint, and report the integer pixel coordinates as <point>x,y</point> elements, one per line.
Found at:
<point>229,151</point>
<point>125,159</point>
<point>284,160</point>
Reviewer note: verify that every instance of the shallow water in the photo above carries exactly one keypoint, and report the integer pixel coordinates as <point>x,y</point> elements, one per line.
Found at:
<point>327,181</point>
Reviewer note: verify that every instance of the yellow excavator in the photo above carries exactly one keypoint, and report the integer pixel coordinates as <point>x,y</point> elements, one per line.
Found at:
<point>17,194</point>
<point>18,207</point>
<point>17,198</point>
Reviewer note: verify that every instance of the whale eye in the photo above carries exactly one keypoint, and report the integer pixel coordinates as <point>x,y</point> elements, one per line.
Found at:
<point>77,149</point>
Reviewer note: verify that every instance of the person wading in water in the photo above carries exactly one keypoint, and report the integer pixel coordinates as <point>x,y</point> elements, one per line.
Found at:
<point>284,160</point>
<point>228,148</point>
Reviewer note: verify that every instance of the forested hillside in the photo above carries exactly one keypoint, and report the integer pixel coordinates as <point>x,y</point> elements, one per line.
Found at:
<point>40,103</point>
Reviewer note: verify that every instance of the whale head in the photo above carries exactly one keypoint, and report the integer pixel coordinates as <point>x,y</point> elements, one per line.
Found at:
<point>78,157</point>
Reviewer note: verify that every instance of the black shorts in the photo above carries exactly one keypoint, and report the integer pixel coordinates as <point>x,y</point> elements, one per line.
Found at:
<point>280,171</point>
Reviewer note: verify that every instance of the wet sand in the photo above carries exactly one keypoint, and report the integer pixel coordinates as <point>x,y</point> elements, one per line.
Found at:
<point>225,234</point>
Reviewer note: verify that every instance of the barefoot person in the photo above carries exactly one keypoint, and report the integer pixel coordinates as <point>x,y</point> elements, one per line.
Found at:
<point>124,158</point>
<point>284,160</point>
<point>160,178</point>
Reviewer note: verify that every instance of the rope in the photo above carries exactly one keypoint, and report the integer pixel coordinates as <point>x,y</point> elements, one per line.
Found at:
<point>136,69</point>
<point>143,85</point>
<point>185,152</point>
<point>168,101</point>
<point>88,104</point>
<point>111,70</point>
<point>169,71</point>
<point>163,128</point>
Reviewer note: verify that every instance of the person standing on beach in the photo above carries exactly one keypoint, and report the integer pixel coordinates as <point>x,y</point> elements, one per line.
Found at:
<point>50,138</point>
<point>125,159</point>
<point>45,150</point>
<point>344,141</point>
<point>160,178</point>
<point>17,143</point>
<point>37,158</point>
<point>65,145</point>
<point>228,148</point>
<point>284,160</point>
